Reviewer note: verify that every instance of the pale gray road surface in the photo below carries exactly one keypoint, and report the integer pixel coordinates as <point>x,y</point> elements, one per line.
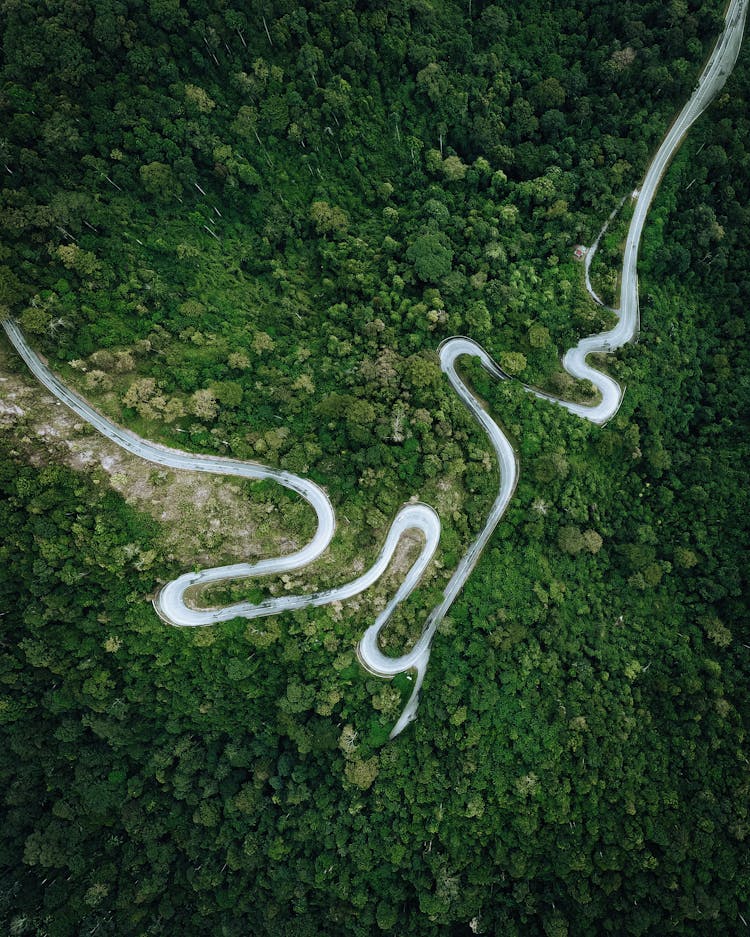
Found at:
<point>170,602</point>
<point>712,80</point>
<point>175,458</point>
<point>370,654</point>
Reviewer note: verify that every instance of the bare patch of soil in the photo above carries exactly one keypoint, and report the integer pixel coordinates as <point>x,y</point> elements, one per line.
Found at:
<point>206,520</point>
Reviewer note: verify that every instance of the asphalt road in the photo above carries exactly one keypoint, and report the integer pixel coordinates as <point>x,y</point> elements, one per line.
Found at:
<point>369,653</point>
<point>170,603</point>
<point>712,80</point>
<point>175,458</point>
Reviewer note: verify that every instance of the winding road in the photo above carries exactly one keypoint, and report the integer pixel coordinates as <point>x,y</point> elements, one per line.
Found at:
<point>170,603</point>
<point>713,78</point>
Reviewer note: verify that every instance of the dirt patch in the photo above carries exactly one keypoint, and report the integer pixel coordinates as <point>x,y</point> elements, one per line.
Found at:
<point>206,520</point>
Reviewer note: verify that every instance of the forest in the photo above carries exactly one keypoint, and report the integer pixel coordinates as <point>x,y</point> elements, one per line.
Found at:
<point>244,229</point>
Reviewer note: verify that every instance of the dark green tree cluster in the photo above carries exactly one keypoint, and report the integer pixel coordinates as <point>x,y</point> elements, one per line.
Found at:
<point>245,228</point>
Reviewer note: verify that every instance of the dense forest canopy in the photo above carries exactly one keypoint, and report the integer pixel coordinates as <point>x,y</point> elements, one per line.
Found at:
<point>244,229</point>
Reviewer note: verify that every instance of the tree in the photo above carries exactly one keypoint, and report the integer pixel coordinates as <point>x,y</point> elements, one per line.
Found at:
<point>423,371</point>
<point>548,94</point>
<point>11,290</point>
<point>158,179</point>
<point>328,219</point>
<point>570,540</point>
<point>228,393</point>
<point>199,99</point>
<point>513,362</point>
<point>478,318</point>
<point>432,257</point>
<point>685,557</point>
<point>538,336</point>
<point>83,262</point>
<point>592,541</point>
<point>454,169</point>
<point>36,320</point>
<point>362,773</point>
<point>203,404</point>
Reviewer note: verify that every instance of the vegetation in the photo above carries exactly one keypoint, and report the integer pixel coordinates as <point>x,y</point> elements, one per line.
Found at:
<point>606,264</point>
<point>246,232</point>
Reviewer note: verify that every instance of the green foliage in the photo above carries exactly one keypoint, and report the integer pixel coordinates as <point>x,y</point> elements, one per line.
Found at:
<point>247,231</point>
<point>513,363</point>
<point>158,180</point>
<point>431,256</point>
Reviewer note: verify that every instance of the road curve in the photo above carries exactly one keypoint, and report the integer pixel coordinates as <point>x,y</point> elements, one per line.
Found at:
<point>721,62</point>
<point>175,458</point>
<point>417,658</point>
<point>718,68</point>
<point>171,606</point>
<point>170,603</point>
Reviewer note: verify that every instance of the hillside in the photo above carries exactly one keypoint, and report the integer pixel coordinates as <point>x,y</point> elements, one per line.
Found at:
<point>244,230</point>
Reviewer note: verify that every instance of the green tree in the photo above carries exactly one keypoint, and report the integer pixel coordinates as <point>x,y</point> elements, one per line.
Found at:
<point>570,540</point>
<point>158,180</point>
<point>432,257</point>
<point>513,362</point>
<point>328,219</point>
